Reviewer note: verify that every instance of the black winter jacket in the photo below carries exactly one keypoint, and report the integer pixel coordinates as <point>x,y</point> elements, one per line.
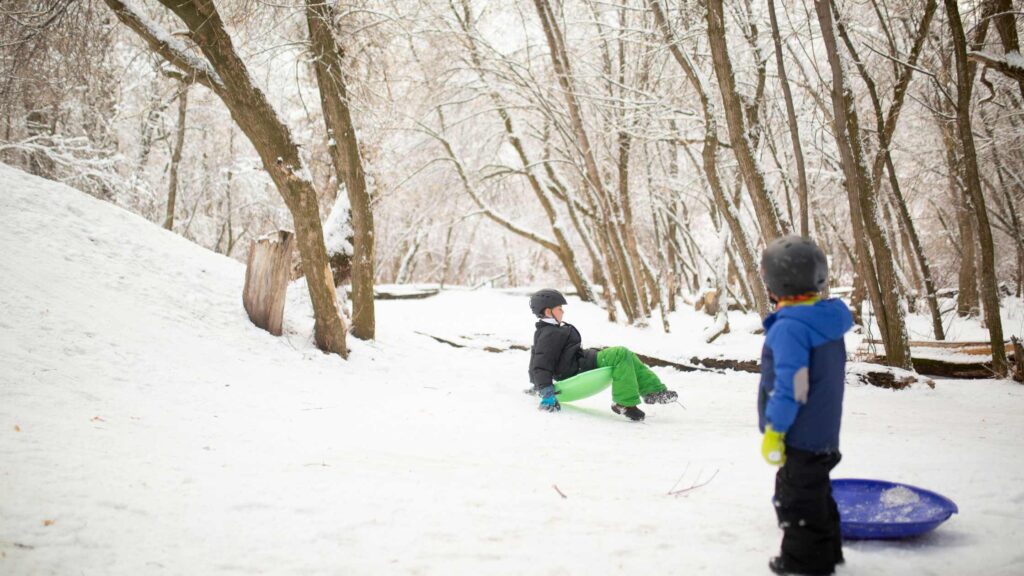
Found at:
<point>557,354</point>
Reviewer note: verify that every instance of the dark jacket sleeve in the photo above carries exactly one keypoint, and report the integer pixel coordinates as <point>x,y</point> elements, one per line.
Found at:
<point>547,349</point>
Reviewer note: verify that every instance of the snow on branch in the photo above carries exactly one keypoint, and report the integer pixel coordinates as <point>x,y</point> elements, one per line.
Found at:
<point>1011,65</point>
<point>75,160</point>
<point>488,211</point>
<point>172,49</point>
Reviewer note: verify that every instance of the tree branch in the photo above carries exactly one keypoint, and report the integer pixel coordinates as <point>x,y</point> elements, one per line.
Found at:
<point>999,64</point>
<point>171,49</point>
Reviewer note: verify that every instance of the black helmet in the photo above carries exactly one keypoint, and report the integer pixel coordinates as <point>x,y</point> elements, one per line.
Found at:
<point>794,265</point>
<point>544,299</point>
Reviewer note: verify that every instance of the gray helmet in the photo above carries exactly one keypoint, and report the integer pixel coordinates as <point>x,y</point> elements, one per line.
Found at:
<point>544,299</point>
<point>794,265</point>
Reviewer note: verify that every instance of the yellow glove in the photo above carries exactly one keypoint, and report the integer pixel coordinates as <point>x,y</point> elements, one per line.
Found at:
<point>773,447</point>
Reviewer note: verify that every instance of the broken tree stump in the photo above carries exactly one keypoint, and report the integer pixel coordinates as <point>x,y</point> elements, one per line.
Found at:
<point>266,280</point>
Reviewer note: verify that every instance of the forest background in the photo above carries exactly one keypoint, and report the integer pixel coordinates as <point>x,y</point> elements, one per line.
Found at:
<point>637,152</point>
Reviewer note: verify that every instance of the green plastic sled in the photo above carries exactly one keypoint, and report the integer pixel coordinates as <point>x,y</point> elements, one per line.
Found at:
<point>584,384</point>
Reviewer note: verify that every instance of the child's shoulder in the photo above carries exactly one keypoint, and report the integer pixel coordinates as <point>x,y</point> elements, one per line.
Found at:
<point>825,320</point>
<point>786,327</point>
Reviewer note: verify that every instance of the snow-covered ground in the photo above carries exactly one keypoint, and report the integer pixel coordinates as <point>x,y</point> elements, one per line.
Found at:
<point>146,427</point>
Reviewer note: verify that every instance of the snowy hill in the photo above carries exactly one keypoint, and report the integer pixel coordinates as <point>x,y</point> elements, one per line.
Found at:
<point>147,427</point>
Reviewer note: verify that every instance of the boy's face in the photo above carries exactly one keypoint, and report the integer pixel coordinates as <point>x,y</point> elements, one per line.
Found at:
<point>555,313</point>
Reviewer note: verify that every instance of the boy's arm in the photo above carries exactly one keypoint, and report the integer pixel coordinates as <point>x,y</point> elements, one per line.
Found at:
<point>546,352</point>
<point>790,346</point>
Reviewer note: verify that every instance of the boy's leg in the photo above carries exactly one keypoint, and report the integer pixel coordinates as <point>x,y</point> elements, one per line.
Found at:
<point>647,382</point>
<point>803,506</point>
<point>837,538</point>
<point>624,385</point>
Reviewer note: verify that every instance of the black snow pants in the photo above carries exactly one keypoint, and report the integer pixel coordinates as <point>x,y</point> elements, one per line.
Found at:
<point>807,512</point>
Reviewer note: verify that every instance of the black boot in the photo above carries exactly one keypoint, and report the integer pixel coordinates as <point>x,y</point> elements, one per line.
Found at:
<point>663,397</point>
<point>632,412</point>
<point>778,566</point>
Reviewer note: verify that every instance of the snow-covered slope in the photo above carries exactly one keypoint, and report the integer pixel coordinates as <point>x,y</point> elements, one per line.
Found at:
<point>147,427</point>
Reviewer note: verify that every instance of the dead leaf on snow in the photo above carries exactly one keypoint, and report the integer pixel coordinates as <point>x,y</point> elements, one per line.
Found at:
<point>48,522</point>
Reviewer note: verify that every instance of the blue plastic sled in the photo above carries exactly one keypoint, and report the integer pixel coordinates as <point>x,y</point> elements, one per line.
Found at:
<point>879,510</point>
<point>584,384</point>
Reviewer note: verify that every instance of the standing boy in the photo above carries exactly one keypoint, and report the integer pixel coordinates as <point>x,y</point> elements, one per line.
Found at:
<point>558,354</point>
<point>800,403</point>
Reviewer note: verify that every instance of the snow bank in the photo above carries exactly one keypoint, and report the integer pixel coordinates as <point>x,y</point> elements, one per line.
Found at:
<point>147,427</point>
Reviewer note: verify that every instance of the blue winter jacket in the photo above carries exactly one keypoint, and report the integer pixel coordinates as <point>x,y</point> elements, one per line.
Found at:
<point>803,374</point>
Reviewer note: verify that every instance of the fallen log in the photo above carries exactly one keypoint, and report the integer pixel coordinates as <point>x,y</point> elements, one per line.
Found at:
<point>946,368</point>
<point>383,295</point>
<point>972,348</point>
<point>448,342</point>
<point>884,376</point>
<point>728,364</point>
<point>652,361</point>
<point>926,362</point>
<point>862,372</point>
<point>466,342</point>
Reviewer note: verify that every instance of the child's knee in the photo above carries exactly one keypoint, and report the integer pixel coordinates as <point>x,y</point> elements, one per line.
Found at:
<point>617,352</point>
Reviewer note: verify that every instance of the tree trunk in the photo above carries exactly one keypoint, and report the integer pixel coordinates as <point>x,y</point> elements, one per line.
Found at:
<point>764,205</point>
<point>919,256</point>
<point>327,61</point>
<point>710,162</point>
<point>967,303</point>
<point>565,253</point>
<point>885,125</point>
<point>615,245</point>
<point>1005,203</point>
<point>989,288</point>
<point>179,144</point>
<point>1006,25</point>
<point>226,75</point>
<point>881,282</point>
<point>624,149</point>
<point>794,131</point>
<point>859,295</point>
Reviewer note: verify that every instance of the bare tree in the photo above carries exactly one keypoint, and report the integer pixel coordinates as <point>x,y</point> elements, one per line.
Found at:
<point>223,71</point>
<point>794,130</point>
<point>989,288</point>
<point>1002,12</point>
<point>344,147</point>
<point>764,204</point>
<point>873,251</point>
<point>561,246</point>
<point>623,266</point>
<point>710,159</point>
<point>885,124</point>
<point>179,144</point>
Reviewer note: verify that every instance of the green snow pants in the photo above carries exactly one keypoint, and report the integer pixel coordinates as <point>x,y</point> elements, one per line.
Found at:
<point>630,378</point>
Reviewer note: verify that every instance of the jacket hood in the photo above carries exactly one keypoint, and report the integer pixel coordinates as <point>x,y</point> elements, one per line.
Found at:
<point>831,318</point>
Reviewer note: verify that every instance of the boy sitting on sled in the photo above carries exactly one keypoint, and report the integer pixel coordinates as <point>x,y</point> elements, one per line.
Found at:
<point>558,354</point>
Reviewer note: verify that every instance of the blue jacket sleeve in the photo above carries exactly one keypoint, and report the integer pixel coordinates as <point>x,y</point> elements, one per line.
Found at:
<point>791,348</point>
